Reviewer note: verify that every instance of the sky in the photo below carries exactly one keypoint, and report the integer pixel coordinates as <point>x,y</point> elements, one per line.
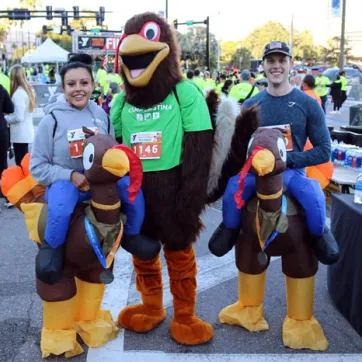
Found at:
<point>229,19</point>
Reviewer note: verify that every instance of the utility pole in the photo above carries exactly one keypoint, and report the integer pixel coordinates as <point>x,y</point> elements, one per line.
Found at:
<point>166,10</point>
<point>341,55</point>
<point>291,32</point>
<point>207,22</point>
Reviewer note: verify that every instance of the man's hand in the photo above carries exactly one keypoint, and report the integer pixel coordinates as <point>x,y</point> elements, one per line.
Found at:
<point>78,180</point>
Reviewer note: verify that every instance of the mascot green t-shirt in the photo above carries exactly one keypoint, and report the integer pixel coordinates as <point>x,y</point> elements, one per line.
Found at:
<point>155,134</point>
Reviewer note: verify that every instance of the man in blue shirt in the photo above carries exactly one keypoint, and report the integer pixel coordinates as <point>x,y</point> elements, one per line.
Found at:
<point>281,104</point>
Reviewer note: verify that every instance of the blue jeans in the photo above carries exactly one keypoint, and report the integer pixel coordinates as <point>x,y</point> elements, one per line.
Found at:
<point>324,100</point>
<point>62,198</point>
<point>305,190</point>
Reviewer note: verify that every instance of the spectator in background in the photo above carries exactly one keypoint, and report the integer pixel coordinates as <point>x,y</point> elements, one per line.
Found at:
<point>4,81</point>
<point>322,82</point>
<point>308,88</point>
<point>344,84</point>
<point>21,121</point>
<point>6,106</point>
<point>336,95</point>
<point>222,79</point>
<point>198,80</point>
<point>190,75</point>
<point>225,90</point>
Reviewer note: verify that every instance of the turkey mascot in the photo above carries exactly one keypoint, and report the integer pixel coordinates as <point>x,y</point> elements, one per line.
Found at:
<point>166,121</point>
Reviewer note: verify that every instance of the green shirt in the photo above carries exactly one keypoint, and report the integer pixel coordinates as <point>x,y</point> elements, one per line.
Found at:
<point>344,83</point>
<point>321,85</point>
<point>160,130</point>
<point>241,91</point>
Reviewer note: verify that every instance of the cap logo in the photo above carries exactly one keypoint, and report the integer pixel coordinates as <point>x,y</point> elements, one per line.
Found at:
<point>275,45</point>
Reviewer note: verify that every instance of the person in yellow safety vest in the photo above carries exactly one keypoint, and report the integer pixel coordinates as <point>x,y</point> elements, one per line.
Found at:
<point>5,81</point>
<point>101,77</point>
<point>243,90</point>
<point>46,69</point>
<point>209,82</point>
<point>222,79</point>
<point>198,80</point>
<point>344,83</point>
<point>321,83</point>
<point>261,75</point>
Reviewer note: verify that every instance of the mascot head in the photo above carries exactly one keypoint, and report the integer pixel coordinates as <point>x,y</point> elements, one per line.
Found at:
<point>149,59</point>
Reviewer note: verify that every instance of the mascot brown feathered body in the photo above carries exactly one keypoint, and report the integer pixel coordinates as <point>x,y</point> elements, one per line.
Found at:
<point>186,166</point>
<point>166,122</point>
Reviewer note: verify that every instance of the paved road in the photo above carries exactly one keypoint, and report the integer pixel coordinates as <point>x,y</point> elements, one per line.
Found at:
<point>20,308</point>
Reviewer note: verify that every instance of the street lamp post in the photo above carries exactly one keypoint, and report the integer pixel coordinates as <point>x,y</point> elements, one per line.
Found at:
<point>166,10</point>
<point>341,55</point>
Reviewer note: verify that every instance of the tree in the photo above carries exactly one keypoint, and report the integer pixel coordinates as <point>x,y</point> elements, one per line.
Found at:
<point>228,50</point>
<point>193,47</point>
<point>241,58</point>
<point>303,46</point>
<point>18,53</point>
<point>63,40</point>
<point>330,53</point>
<point>266,33</point>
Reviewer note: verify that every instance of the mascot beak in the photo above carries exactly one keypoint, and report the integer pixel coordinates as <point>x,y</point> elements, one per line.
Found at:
<point>140,58</point>
<point>263,162</point>
<point>116,162</point>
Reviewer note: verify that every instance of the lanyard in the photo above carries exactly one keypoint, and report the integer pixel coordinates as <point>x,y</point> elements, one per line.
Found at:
<point>275,233</point>
<point>106,262</point>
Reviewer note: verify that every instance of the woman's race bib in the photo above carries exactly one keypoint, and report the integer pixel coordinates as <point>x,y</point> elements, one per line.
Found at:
<point>76,139</point>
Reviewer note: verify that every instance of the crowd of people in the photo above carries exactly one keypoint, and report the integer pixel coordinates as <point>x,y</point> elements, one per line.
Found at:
<point>18,97</point>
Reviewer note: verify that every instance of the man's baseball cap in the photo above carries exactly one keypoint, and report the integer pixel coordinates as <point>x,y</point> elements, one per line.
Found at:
<point>277,47</point>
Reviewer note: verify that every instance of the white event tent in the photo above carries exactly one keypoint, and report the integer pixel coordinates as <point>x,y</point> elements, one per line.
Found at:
<point>47,52</point>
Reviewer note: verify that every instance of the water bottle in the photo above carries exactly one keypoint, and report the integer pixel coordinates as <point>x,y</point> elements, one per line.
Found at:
<point>358,191</point>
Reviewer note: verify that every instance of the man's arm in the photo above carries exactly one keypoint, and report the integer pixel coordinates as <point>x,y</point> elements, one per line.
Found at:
<point>318,134</point>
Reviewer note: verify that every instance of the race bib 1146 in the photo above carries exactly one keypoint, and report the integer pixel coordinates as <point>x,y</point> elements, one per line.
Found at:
<point>147,145</point>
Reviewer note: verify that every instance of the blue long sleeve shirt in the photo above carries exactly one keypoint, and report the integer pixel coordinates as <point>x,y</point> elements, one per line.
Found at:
<point>307,120</point>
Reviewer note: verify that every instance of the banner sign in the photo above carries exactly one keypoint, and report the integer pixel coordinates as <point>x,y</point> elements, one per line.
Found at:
<point>336,8</point>
<point>95,43</point>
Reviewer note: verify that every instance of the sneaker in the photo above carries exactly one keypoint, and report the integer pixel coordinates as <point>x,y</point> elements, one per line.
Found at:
<point>8,204</point>
<point>333,112</point>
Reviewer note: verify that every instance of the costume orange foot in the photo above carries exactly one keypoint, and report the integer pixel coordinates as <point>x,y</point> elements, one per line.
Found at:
<point>191,330</point>
<point>186,328</point>
<point>146,316</point>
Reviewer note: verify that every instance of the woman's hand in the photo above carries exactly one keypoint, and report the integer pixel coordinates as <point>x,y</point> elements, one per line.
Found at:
<point>78,180</point>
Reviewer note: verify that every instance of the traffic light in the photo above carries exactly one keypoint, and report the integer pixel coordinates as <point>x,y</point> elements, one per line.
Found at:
<point>99,19</point>
<point>44,29</point>
<point>175,23</point>
<point>64,19</point>
<point>49,13</point>
<point>102,12</point>
<point>69,30</point>
<point>76,12</point>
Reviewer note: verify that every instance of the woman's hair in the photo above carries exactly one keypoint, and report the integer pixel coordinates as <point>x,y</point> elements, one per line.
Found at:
<point>18,79</point>
<point>78,61</point>
<point>226,85</point>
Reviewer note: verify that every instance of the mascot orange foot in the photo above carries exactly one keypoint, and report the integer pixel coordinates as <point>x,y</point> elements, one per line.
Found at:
<point>185,327</point>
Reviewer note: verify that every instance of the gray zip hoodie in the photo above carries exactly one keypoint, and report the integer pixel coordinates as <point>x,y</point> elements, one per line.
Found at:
<point>50,156</point>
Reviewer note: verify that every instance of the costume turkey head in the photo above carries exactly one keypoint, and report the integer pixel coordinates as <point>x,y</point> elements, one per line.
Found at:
<point>267,156</point>
<point>106,161</point>
<point>149,59</point>
<point>268,152</point>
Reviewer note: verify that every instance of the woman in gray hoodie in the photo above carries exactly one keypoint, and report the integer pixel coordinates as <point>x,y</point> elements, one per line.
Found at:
<point>56,161</point>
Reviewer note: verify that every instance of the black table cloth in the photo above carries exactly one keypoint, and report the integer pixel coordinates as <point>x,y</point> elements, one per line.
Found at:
<point>345,277</point>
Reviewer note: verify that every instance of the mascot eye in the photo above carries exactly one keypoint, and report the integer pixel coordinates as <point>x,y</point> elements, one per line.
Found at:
<point>151,31</point>
<point>249,147</point>
<point>282,149</point>
<point>88,156</point>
